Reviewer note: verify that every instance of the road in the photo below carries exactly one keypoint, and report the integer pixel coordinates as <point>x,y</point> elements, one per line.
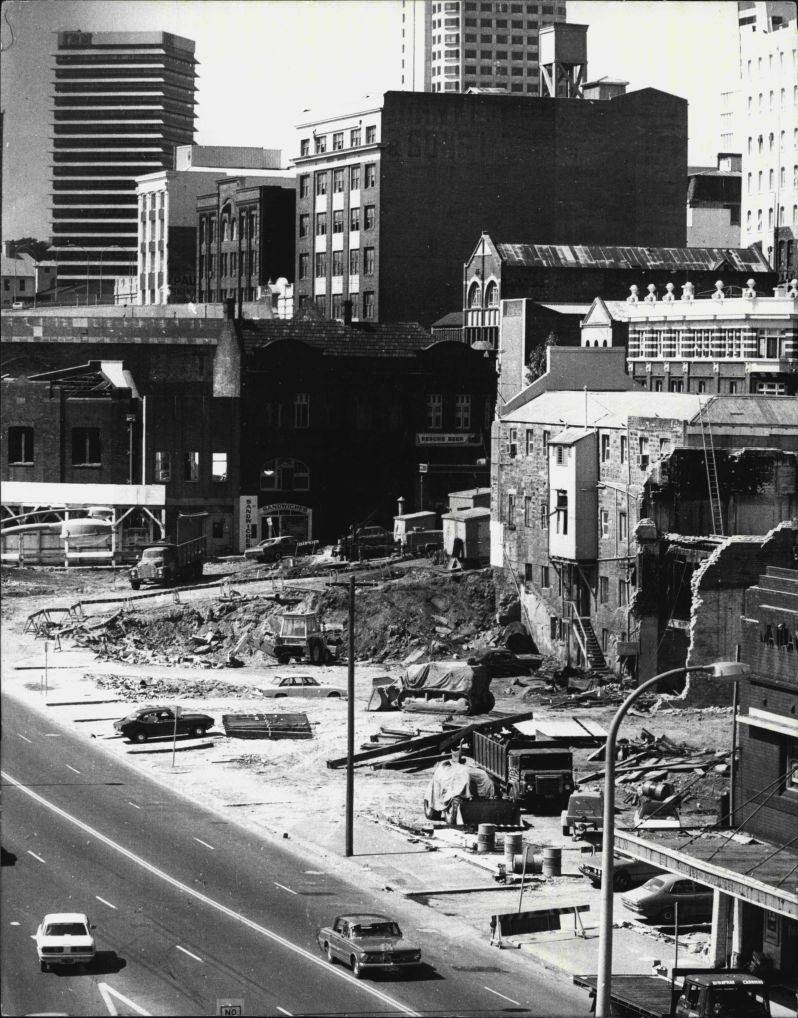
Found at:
<point>191,909</point>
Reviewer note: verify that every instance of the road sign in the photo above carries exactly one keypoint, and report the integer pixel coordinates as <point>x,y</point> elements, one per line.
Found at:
<point>229,1007</point>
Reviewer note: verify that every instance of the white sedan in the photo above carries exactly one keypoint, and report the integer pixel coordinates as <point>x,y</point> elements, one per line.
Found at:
<point>64,938</point>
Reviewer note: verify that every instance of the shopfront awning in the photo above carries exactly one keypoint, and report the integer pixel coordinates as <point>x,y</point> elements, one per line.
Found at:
<point>758,872</point>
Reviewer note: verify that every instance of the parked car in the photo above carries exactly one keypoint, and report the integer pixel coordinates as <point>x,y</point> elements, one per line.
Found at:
<point>64,938</point>
<point>658,897</point>
<point>502,663</point>
<point>150,722</point>
<point>367,942</point>
<point>272,549</point>
<point>626,873</point>
<point>299,685</point>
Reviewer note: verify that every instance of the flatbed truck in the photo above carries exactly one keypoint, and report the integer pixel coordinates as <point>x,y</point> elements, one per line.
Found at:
<point>693,993</point>
<point>164,563</point>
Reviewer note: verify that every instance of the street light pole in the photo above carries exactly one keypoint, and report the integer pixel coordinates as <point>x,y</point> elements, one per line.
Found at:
<point>730,670</point>
<point>350,724</point>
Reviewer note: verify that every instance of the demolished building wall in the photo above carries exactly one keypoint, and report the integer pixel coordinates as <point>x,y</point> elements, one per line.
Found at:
<point>718,591</point>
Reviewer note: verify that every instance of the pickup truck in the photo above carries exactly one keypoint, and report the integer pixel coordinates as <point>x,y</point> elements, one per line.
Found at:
<point>699,994</point>
<point>164,563</point>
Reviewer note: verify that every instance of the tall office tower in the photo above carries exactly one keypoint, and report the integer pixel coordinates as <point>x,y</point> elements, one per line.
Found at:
<point>769,102</point>
<point>122,101</point>
<point>485,44</point>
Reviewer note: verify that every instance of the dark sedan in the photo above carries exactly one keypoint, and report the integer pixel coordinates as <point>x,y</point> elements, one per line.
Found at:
<point>153,722</point>
<point>272,549</point>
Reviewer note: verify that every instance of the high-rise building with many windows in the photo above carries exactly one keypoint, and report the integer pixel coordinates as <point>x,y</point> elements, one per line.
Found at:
<point>485,44</point>
<point>122,101</point>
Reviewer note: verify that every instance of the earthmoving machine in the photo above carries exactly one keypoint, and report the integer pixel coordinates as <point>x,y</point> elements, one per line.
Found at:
<point>302,635</point>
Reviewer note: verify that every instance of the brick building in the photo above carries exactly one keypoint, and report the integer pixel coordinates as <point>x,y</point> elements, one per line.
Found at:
<point>245,238</point>
<point>498,271</point>
<point>583,458</point>
<point>340,421</point>
<point>389,192</point>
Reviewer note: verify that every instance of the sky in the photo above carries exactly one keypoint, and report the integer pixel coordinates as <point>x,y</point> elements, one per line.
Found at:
<point>263,62</point>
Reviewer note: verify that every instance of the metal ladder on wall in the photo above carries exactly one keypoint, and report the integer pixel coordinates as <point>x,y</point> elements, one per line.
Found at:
<point>712,472</point>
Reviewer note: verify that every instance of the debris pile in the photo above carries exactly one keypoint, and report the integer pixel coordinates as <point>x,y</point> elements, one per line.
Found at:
<point>150,688</point>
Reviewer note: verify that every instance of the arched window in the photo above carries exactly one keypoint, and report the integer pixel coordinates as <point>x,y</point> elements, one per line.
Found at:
<point>475,295</point>
<point>285,474</point>
<point>492,295</point>
<point>225,229</point>
<point>233,229</point>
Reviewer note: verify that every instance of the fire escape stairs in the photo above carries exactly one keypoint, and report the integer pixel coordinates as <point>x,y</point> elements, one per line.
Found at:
<point>591,648</point>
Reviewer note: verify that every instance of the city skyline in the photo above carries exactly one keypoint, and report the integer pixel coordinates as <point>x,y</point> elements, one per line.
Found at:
<point>245,66</point>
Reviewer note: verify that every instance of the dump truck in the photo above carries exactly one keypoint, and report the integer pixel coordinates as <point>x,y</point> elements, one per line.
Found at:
<point>365,542</point>
<point>302,635</point>
<point>164,563</point>
<point>533,772</point>
<point>693,993</point>
<point>464,795</point>
<point>449,686</point>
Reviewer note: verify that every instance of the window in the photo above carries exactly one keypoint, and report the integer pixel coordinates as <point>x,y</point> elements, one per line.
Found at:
<point>321,144</point>
<point>321,264</point>
<point>338,141</point>
<point>369,217</point>
<point>354,178</point>
<point>434,410</point>
<point>219,466</point>
<point>527,510</point>
<point>338,221</point>
<point>530,441</point>
<point>643,444</point>
<point>560,455</point>
<point>605,448</point>
<point>370,174</point>
<point>623,448</point>
<point>368,305</point>
<point>163,467</point>
<point>623,526</point>
<point>561,512</point>
<point>371,135</point>
<point>623,593</point>
<point>462,412</point>
<point>337,298</point>
<point>511,509</point>
<point>492,295</point>
<point>321,183</point>
<point>191,466</point>
<point>605,522</point>
<point>337,263</point>
<point>86,447</point>
<point>546,437</point>
<point>544,515</point>
<point>285,475</point>
<point>302,410</point>
<point>338,181</point>
<point>304,147</point>
<point>354,262</point>
<point>475,295</point>
<point>664,447</point>
<point>304,224</point>
<point>354,219</point>
<point>545,577</point>
<point>20,446</point>
<point>304,260</point>
<point>321,224</point>
<point>604,589</point>
<point>605,640</point>
<point>354,137</point>
<point>368,261</point>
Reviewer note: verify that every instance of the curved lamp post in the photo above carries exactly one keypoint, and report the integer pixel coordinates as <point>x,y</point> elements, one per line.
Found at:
<point>726,670</point>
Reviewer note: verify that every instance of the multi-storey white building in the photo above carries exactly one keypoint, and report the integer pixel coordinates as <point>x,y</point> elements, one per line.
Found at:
<point>769,102</point>
<point>470,44</point>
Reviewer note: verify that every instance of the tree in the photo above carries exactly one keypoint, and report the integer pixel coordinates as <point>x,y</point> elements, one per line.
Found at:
<point>37,249</point>
<point>536,362</point>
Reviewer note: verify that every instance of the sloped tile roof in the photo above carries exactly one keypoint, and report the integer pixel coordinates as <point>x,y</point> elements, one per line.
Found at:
<point>741,259</point>
<point>333,339</point>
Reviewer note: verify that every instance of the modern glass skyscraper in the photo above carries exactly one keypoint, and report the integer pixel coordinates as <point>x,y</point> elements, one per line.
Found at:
<point>122,101</point>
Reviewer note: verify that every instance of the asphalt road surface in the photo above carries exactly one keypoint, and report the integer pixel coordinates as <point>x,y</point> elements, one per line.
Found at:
<point>192,910</point>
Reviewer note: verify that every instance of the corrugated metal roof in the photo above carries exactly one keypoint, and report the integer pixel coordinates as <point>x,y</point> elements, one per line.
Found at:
<point>594,256</point>
<point>334,339</point>
<point>571,436</point>
<point>759,411</point>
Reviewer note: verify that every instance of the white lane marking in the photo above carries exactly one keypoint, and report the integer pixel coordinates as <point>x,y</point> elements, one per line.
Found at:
<point>205,843</point>
<point>12,923</point>
<point>36,856</point>
<point>516,1002</point>
<point>133,804</point>
<point>108,903</point>
<point>72,768</point>
<point>191,892</point>
<point>23,737</point>
<point>52,735</point>
<point>285,888</point>
<point>315,873</point>
<point>282,1010</point>
<point>194,956</point>
<point>106,992</point>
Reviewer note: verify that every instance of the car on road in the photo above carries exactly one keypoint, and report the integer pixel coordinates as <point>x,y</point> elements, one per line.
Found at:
<point>367,942</point>
<point>626,873</point>
<point>657,899</point>
<point>299,685</point>
<point>64,938</point>
<point>272,549</point>
<point>151,722</point>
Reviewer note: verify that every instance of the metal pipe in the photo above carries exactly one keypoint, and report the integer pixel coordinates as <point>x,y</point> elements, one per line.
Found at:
<point>350,722</point>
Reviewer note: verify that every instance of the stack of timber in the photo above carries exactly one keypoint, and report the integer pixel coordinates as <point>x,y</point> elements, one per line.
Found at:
<point>267,726</point>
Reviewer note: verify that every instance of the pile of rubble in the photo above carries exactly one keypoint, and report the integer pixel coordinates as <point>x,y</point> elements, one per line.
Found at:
<point>148,688</point>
